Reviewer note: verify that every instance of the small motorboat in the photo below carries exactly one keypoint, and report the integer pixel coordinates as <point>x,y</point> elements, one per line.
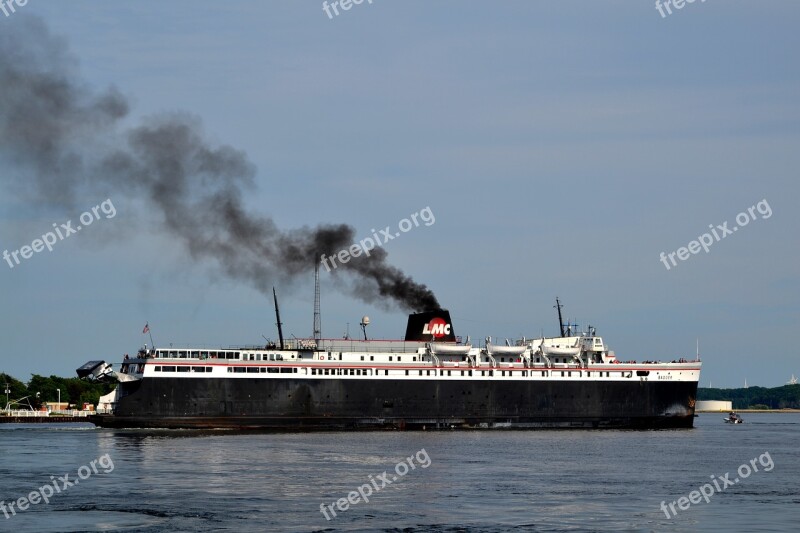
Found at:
<point>733,418</point>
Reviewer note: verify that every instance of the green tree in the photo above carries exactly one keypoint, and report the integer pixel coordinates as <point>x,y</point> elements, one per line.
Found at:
<point>16,387</point>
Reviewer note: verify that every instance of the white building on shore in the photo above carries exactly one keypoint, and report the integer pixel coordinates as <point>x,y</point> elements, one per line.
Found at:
<point>714,406</point>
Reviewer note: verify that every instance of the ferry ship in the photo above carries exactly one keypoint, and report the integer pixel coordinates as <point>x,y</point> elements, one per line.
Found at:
<point>428,380</point>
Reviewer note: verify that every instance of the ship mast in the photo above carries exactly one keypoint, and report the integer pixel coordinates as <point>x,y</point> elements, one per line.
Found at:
<point>317,315</point>
<point>278,317</point>
<point>560,320</point>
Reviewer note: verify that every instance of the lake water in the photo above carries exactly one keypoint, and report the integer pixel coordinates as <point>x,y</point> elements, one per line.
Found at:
<point>544,480</point>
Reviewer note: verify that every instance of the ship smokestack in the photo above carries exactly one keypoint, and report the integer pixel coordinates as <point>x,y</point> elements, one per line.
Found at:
<point>430,326</point>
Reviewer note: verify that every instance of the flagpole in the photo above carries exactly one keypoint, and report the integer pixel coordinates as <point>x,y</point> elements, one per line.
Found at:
<point>151,336</point>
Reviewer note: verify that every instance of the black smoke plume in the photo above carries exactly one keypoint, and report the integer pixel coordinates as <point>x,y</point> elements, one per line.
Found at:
<point>65,139</point>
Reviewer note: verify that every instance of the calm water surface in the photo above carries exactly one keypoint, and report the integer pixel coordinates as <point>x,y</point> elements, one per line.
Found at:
<point>476,481</point>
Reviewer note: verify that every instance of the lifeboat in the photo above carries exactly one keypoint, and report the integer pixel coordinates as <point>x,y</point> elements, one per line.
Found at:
<point>565,351</point>
<point>505,350</point>
<point>442,348</point>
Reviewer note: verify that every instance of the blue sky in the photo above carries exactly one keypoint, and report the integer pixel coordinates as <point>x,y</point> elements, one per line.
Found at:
<point>562,146</point>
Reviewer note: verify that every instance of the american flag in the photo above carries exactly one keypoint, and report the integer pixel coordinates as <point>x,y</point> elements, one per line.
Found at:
<point>146,328</point>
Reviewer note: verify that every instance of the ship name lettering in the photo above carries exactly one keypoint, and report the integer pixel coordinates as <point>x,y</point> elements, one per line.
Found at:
<point>436,329</point>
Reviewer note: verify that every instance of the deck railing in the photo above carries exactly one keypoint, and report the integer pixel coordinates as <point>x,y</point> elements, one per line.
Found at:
<point>39,414</point>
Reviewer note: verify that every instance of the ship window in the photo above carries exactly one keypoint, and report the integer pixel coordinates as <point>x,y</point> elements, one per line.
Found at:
<point>491,372</point>
<point>157,369</point>
<point>252,370</point>
<point>462,372</point>
<point>182,354</point>
<point>428,373</point>
<point>502,359</point>
<point>569,374</point>
<point>173,353</point>
<point>562,373</point>
<point>240,369</point>
<point>362,357</point>
<point>398,358</point>
<point>168,368</point>
<point>313,371</point>
<point>483,372</point>
<point>230,369</point>
<point>371,357</point>
<point>327,371</point>
<point>448,372</point>
<point>196,355</point>
<point>198,369</point>
<point>642,372</point>
<point>406,372</point>
<point>237,355</point>
<point>340,356</point>
<point>470,372</point>
<point>385,372</point>
<point>544,373</point>
<point>390,358</point>
<point>415,359</point>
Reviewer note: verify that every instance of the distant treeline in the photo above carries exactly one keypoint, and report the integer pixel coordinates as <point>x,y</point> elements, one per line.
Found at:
<point>786,397</point>
<point>73,390</point>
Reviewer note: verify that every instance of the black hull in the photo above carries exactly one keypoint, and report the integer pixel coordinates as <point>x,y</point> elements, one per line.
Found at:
<point>295,404</point>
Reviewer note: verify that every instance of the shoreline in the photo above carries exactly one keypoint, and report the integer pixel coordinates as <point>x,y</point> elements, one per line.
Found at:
<point>752,411</point>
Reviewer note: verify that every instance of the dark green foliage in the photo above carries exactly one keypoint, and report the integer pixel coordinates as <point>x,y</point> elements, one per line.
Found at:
<point>786,397</point>
<point>73,390</point>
